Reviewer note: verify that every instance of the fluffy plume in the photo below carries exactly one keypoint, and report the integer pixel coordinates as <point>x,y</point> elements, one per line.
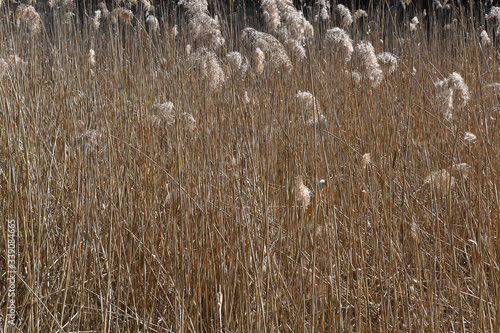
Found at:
<point>288,23</point>
<point>302,193</point>
<point>203,28</point>
<point>271,14</point>
<point>345,13</point>
<point>293,23</point>
<point>152,22</point>
<point>369,62</point>
<point>367,158</point>
<point>104,10</point>
<point>270,49</point>
<point>259,59</point>
<point>28,15</point>
<point>237,63</point>
<point>125,15</point>
<point>164,114</point>
<point>405,3</point>
<point>440,181</point>
<point>485,40</point>
<point>88,139</point>
<point>189,123</point>
<point>469,137</point>
<point>494,13</point>
<point>339,42</point>
<point>311,109</point>
<point>442,4</point>
<point>147,6</point>
<point>324,10</point>
<point>359,14</point>
<point>453,93</point>
<point>297,48</point>
<point>65,4</point>
<point>209,67</point>
<point>91,57</point>
<point>354,76</point>
<point>96,21</point>
<point>413,24</point>
<point>387,62</point>
<point>461,169</point>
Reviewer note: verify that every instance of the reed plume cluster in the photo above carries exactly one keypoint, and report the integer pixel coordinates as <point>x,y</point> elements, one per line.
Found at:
<point>152,23</point>
<point>302,193</point>
<point>208,66</point>
<point>288,24</point>
<point>324,10</point>
<point>311,110</point>
<point>122,14</point>
<point>346,15</point>
<point>203,28</point>
<point>387,62</point>
<point>453,93</point>
<point>440,181</point>
<point>339,43</point>
<point>262,46</point>
<point>27,14</point>
<point>369,62</point>
<point>494,15</point>
<point>237,63</point>
<point>89,139</point>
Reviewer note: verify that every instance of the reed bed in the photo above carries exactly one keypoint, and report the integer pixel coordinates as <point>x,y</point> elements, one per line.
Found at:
<point>200,167</point>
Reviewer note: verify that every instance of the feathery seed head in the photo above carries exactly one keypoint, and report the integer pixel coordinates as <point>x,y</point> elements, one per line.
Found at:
<point>237,63</point>
<point>297,48</point>
<point>369,62</point>
<point>88,139</point>
<point>209,67</point>
<point>440,181</point>
<point>324,10</point>
<point>462,169</point>
<point>189,122</point>
<point>485,39</point>
<point>270,49</point>
<point>147,6</point>
<point>345,13</point>
<point>91,57</point>
<point>387,62</point>
<point>104,10</point>
<point>359,14</point>
<point>96,21</point>
<point>413,24</point>
<point>311,109</point>
<point>454,94</point>
<point>469,137</point>
<point>28,14</point>
<point>152,22</point>
<point>302,193</point>
<point>125,15</point>
<point>339,42</point>
<point>367,158</point>
<point>494,14</point>
<point>293,23</point>
<point>203,27</point>
<point>164,113</point>
<point>271,14</point>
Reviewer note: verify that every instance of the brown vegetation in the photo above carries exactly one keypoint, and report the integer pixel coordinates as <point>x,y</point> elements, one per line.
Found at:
<point>159,185</point>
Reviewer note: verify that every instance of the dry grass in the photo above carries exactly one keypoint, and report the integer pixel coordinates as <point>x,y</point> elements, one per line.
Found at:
<point>157,190</point>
